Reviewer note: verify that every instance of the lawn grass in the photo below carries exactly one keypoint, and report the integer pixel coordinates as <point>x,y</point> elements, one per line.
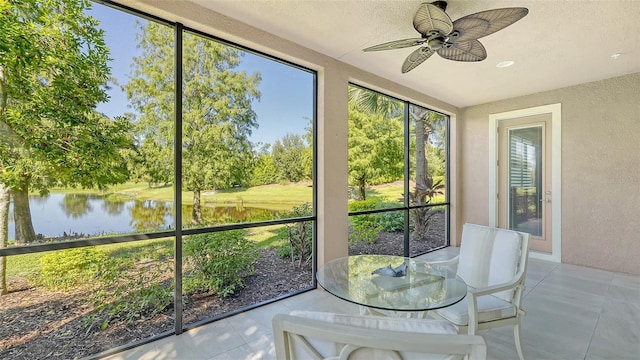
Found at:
<point>393,193</point>
<point>274,197</point>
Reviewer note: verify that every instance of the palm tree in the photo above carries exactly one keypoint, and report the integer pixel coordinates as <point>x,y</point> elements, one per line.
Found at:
<point>373,102</point>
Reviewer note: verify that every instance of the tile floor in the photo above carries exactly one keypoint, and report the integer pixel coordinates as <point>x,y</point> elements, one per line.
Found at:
<point>573,312</point>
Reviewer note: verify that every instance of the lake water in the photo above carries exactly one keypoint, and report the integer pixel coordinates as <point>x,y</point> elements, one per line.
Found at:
<point>57,215</point>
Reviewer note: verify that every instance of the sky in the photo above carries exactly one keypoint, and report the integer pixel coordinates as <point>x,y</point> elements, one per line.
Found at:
<point>286,101</point>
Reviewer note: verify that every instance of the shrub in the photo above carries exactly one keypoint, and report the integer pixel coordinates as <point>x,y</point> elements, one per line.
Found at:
<point>364,227</point>
<point>66,269</point>
<point>391,221</point>
<point>218,261</point>
<point>299,235</point>
<point>361,205</point>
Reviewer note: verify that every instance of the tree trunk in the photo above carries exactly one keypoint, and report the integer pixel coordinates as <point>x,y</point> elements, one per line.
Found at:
<point>196,213</point>
<point>22,217</point>
<point>362,187</point>
<point>4,235</point>
<point>419,116</point>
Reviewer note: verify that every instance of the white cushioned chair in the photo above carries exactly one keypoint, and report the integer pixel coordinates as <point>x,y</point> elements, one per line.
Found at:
<point>493,263</point>
<point>305,335</point>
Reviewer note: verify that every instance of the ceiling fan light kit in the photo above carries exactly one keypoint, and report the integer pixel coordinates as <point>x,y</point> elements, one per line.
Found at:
<point>452,40</point>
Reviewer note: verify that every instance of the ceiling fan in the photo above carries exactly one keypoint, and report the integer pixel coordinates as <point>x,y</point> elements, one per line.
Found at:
<point>453,40</point>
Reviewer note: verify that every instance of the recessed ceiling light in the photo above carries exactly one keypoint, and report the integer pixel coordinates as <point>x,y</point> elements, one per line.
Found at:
<point>504,64</point>
<point>616,56</point>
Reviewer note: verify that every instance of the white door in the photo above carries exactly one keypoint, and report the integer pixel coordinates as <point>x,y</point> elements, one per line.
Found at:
<point>525,189</point>
<point>525,176</point>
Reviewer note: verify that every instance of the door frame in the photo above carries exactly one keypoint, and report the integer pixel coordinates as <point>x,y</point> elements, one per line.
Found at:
<point>556,172</point>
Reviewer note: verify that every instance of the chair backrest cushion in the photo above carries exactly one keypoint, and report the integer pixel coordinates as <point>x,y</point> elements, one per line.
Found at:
<point>489,256</point>
<point>381,323</point>
<point>333,347</point>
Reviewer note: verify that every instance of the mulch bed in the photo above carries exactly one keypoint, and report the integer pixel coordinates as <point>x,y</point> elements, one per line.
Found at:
<point>41,324</point>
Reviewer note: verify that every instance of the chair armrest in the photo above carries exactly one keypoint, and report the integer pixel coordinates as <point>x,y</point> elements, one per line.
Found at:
<point>494,288</point>
<point>488,290</point>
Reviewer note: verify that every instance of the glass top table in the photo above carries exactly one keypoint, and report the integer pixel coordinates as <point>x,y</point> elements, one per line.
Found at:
<point>391,282</point>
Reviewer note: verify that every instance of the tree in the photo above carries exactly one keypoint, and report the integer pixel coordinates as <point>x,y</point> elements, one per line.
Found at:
<point>264,172</point>
<point>288,158</point>
<point>373,102</point>
<point>307,159</point>
<point>217,118</point>
<point>53,72</point>
<point>375,150</point>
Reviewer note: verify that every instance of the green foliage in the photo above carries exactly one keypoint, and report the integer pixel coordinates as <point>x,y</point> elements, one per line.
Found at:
<point>391,221</point>
<point>218,261</point>
<point>436,162</point>
<point>373,102</point>
<point>264,173</point>
<point>289,158</point>
<point>121,289</point>
<point>130,291</point>
<point>362,205</point>
<point>67,269</point>
<point>364,227</point>
<point>55,72</point>
<point>376,149</point>
<point>299,235</point>
<point>422,195</point>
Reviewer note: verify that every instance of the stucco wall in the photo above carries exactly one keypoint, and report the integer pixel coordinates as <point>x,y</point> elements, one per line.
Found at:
<point>600,169</point>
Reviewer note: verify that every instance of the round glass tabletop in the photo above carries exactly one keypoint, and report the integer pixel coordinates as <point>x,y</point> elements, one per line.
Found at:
<point>391,282</point>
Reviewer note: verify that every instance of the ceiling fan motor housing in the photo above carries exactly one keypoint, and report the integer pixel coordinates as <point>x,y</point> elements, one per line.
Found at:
<point>436,43</point>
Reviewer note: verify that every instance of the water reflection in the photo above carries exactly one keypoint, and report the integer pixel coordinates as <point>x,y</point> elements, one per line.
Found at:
<point>113,207</point>
<point>150,214</point>
<point>76,206</point>
<point>58,214</point>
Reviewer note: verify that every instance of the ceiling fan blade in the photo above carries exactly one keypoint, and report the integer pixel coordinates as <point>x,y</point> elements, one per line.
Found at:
<point>467,51</point>
<point>430,17</point>
<point>475,26</point>
<point>396,44</point>
<point>416,58</point>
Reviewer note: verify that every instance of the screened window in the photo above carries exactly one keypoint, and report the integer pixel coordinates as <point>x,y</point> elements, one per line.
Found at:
<point>153,177</point>
<point>398,200</point>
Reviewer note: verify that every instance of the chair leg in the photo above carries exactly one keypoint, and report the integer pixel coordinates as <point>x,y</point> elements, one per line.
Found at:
<point>516,335</point>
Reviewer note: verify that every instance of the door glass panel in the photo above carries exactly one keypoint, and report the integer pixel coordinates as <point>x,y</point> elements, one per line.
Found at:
<point>525,180</point>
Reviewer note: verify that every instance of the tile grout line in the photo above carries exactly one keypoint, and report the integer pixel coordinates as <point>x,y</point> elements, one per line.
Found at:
<point>595,328</point>
<point>541,280</point>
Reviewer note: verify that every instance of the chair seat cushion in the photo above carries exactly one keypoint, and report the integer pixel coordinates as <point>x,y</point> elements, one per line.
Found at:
<point>489,308</point>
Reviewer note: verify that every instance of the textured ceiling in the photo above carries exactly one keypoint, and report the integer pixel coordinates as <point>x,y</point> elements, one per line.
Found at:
<point>558,44</point>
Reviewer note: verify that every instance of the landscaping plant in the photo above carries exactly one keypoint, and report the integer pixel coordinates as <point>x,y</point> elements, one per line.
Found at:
<point>364,227</point>
<point>299,236</point>
<point>422,195</point>
<point>218,261</point>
